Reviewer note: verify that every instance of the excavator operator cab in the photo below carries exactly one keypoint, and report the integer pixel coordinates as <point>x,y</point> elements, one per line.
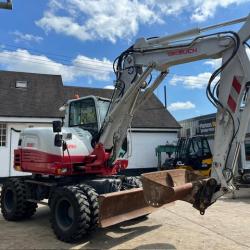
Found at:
<point>87,113</point>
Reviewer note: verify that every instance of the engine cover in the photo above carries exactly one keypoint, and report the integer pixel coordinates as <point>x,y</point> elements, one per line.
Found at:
<point>38,154</point>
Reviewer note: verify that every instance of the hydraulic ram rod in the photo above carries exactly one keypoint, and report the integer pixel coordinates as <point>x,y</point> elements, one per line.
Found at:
<point>193,32</point>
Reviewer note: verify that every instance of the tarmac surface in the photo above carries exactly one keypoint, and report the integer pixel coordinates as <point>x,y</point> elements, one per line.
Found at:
<point>177,226</point>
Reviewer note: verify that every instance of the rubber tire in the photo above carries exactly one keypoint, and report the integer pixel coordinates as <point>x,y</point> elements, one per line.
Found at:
<point>21,208</point>
<point>92,197</point>
<point>81,221</point>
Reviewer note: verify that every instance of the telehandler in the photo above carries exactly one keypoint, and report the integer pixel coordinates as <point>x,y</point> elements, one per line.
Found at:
<point>191,153</point>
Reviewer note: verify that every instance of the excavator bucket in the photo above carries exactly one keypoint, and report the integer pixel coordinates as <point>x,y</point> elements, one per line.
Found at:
<point>159,188</point>
<point>122,206</point>
<point>163,187</point>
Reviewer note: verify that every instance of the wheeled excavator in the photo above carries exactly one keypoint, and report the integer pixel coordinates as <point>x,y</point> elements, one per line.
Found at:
<point>75,167</point>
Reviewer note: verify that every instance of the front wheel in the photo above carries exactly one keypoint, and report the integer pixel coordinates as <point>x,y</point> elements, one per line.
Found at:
<point>70,214</point>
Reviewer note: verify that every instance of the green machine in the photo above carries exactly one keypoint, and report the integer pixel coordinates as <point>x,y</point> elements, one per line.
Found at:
<point>169,149</point>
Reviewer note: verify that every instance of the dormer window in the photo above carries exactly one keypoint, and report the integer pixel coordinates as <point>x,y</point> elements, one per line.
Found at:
<point>21,84</point>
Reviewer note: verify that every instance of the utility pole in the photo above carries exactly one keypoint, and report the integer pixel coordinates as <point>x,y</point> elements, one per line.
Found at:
<point>165,96</point>
<point>6,5</point>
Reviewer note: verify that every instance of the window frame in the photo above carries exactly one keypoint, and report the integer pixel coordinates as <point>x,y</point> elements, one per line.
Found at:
<point>79,101</point>
<point>3,126</point>
<point>23,84</point>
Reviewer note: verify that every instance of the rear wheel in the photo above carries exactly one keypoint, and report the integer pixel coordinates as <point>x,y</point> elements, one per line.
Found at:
<point>14,204</point>
<point>70,213</point>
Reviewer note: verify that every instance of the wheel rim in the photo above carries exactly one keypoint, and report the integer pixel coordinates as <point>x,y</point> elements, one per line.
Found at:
<point>9,200</point>
<point>64,214</point>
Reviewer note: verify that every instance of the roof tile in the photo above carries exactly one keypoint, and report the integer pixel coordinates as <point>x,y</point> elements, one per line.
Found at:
<point>45,94</point>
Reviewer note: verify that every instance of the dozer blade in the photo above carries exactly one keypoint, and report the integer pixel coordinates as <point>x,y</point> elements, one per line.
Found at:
<point>122,206</point>
<point>163,187</point>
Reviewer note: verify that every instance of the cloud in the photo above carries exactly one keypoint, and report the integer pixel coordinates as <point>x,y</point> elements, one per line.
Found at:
<point>64,25</point>
<point>111,19</point>
<point>81,66</point>
<point>109,87</point>
<point>214,63</point>
<point>181,106</point>
<point>21,37</point>
<point>192,82</point>
<point>103,19</point>
<point>205,9</point>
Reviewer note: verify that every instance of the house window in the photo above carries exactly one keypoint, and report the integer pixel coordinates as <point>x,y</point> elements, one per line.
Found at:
<point>21,84</point>
<point>3,134</point>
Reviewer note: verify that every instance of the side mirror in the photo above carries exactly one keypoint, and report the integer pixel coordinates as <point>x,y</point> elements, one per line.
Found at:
<point>57,126</point>
<point>58,140</point>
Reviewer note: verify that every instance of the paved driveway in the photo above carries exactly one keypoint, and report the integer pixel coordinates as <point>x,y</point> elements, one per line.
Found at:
<point>178,226</point>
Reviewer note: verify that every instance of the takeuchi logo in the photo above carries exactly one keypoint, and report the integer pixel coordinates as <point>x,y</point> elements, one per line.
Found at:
<point>182,52</point>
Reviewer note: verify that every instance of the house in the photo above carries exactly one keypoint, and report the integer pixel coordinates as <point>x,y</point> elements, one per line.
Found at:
<point>28,100</point>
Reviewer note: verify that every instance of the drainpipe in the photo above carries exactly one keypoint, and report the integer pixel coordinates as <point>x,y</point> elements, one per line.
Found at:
<point>10,151</point>
<point>165,96</point>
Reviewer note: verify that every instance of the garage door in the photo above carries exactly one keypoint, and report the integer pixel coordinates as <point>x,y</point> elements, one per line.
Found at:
<point>142,148</point>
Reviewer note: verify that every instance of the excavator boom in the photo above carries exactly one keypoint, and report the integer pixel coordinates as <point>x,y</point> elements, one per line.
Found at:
<point>134,67</point>
<point>134,85</point>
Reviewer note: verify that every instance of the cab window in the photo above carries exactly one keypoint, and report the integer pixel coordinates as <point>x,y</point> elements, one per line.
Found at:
<point>82,113</point>
<point>103,107</point>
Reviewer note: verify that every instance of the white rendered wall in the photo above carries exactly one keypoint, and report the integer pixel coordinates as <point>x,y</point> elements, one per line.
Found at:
<point>143,148</point>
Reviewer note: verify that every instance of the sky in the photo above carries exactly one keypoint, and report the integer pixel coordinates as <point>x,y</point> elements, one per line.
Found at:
<point>79,39</point>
